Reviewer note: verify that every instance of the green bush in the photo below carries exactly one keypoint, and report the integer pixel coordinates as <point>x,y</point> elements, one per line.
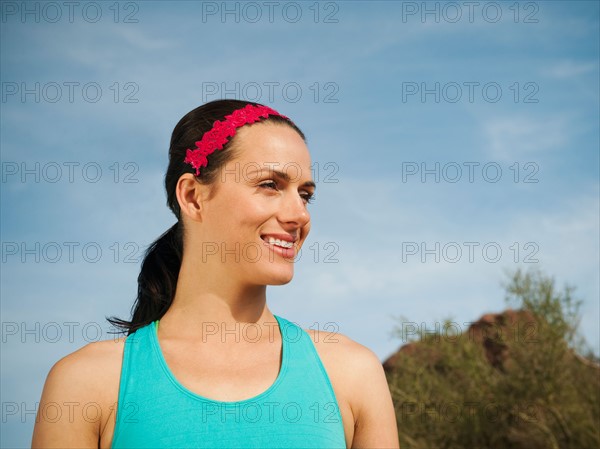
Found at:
<point>538,391</point>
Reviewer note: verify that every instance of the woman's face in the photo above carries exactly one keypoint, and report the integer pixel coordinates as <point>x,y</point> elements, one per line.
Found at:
<point>261,193</point>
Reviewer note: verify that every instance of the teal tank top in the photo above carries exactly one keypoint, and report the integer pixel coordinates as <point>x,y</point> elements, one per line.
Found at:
<point>299,410</point>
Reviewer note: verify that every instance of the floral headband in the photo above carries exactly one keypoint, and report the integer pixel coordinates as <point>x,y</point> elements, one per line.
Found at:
<point>218,135</point>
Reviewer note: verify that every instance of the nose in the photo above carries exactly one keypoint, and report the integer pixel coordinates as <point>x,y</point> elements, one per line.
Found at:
<point>293,209</point>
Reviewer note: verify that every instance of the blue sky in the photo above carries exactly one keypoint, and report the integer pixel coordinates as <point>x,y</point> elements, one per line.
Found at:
<point>500,103</point>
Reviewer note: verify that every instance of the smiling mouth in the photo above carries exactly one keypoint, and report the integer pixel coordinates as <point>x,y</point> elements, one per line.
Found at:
<point>277,242</point>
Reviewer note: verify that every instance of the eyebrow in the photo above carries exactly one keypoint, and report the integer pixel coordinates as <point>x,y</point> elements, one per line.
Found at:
<point>285,176</point>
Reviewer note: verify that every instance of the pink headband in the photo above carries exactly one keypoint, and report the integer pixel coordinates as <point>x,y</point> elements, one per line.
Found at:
<point>216,137</point>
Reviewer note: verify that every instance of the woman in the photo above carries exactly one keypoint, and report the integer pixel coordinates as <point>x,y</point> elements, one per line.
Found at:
<point>205,363</point>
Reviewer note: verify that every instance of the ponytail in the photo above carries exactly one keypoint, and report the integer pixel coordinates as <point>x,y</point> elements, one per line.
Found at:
<point>157,281</point>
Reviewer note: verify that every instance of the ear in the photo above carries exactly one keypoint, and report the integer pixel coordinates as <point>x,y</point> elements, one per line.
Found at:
<point>191,196</point>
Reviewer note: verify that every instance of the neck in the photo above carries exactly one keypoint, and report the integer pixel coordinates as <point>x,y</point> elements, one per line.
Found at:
<point>208,296</point>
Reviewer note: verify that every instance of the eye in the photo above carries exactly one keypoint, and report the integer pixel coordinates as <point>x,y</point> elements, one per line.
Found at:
<point>308,197</point>
<point>269,184</point>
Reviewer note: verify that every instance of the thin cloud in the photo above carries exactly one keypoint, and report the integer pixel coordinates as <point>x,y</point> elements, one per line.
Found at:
<point>570,69</point>
<point>513,138</point>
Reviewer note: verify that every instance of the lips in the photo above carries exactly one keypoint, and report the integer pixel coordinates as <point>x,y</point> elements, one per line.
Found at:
<point>277,245</point>
<point>284,237</point>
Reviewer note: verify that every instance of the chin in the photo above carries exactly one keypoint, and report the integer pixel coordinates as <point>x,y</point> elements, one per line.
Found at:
<point>280,278</point>
<point>281,282</point>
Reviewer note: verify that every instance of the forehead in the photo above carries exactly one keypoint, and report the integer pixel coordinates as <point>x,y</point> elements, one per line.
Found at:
<point>274,143</point>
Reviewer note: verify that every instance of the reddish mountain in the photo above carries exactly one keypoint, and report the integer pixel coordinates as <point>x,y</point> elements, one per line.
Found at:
<point>493,331</point>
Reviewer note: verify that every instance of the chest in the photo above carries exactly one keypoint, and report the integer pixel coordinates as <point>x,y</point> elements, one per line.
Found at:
<point>248,374</point>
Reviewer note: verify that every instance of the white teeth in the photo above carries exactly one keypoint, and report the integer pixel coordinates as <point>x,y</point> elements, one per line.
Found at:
<point>278,242</point>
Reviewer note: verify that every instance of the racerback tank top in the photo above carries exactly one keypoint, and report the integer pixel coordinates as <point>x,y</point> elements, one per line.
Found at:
<point>299,410</point>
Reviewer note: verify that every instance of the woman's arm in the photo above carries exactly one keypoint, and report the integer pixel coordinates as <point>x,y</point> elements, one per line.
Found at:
<point>375,421</point>
<point>67,414</point>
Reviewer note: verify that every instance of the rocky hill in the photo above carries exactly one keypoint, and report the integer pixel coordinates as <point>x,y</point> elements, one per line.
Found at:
<point>509,380</point>
<point>492,331</point>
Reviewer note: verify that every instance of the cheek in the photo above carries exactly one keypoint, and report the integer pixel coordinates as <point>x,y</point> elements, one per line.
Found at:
<point>305,231</point>
<point>238,205</point>
<point>251,214</point>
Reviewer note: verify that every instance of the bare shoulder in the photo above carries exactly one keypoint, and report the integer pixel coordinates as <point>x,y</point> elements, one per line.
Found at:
<point>349,364</point>
<point>90,366</point>
<point>340,350</point>
<point>83,385</point>
<point>358,377</point>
